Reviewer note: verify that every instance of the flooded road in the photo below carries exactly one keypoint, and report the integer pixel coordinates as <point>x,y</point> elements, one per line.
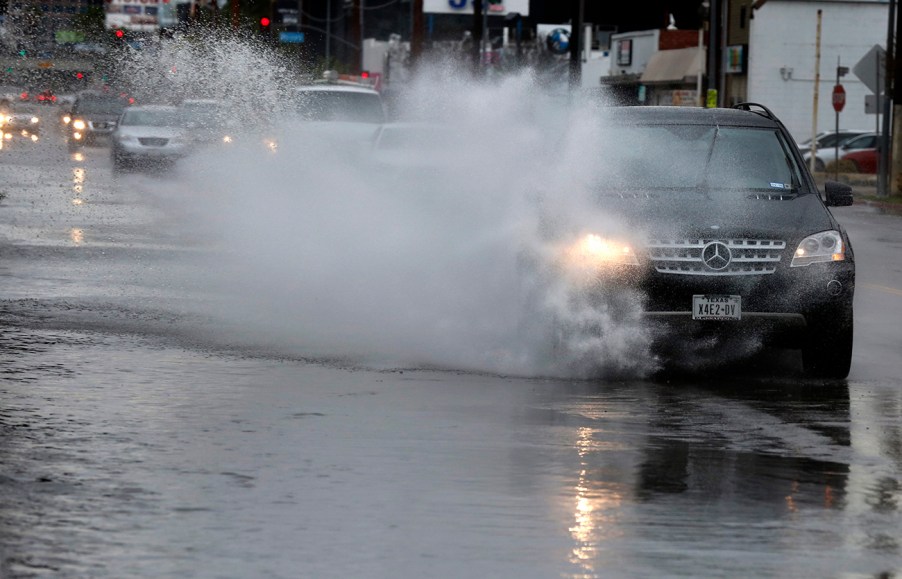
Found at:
<point>146,434</point>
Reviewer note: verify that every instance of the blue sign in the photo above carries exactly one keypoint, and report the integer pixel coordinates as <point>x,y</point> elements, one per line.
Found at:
<point>295,37</point>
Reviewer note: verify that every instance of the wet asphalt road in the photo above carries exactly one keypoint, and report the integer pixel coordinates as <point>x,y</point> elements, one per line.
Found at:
<point>141,438</point>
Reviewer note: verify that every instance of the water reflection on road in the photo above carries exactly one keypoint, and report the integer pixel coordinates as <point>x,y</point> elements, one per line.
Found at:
<point>125,455</point>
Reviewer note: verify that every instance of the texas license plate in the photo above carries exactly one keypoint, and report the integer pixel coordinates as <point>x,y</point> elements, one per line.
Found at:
<point>716,307</point>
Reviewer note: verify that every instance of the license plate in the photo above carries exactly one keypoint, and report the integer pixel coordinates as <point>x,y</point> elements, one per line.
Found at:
<point>716,307</point>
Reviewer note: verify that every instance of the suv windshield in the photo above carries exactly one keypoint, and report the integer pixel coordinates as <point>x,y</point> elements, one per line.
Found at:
<point>152,118</point>
<point>695,157</point>
<point>326,105</point>
<point>110,106</point>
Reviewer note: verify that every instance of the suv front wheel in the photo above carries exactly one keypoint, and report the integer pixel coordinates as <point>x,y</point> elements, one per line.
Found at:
<point>827,351</point>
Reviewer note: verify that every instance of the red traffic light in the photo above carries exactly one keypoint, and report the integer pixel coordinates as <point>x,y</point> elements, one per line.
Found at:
<point>79,75</point>
<point>119,34</point>
<point>264,22</point>
<point>365,74</point>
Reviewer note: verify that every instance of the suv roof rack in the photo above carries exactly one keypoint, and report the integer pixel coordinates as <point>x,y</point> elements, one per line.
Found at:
<point>764,112</point>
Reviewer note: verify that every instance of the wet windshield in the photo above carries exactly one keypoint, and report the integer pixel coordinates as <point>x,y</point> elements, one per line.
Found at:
<point>326,105</point>
<point>111,106</point>
<point>695,157</point>
<point>152,118</point>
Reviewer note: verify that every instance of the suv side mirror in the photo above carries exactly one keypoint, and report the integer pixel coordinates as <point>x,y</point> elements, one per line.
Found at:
<point>838,194</point>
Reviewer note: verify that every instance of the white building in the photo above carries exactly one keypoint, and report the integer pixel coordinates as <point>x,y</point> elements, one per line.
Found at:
<point>782,53</point>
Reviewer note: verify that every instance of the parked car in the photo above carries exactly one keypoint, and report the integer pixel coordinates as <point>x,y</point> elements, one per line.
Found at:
<point>148,136</point>
<point>831,138</point>
<point>712,217</point>
<point>827,142</point>
<point>93,118</point>
<point>865,160</point>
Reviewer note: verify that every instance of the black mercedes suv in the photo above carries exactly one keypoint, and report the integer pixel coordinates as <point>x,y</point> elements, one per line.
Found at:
<point>712,217</point>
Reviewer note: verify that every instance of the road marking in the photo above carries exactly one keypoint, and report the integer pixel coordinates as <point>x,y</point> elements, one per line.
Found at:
<point>882,288</point>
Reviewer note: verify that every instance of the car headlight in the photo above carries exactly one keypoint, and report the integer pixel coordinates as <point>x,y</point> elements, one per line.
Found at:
<point>593,253</point>
<point>67,119</point>
<point>35,120</point>
<point>78,125</point>
<point>820,247</point>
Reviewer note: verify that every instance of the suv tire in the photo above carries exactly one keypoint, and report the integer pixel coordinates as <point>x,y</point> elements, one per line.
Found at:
<point>827,352</point>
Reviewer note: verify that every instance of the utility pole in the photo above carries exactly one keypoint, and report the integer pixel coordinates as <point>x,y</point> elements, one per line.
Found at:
<point>817,86</point>
<point>713,53</point>
<point>357,31</point>
<point>576,56</point>
<point>328,33</point>
<point>891,154</point>
<point>477,35</point>
<point>417,36</point>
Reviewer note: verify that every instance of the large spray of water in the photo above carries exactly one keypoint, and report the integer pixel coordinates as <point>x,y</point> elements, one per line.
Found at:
<point>441,258</point>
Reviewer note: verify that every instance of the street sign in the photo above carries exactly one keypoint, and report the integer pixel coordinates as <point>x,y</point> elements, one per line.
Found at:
<point>873,105</point>
<point>291,37</point>
<point>839,98</point>
<point>871,69</point>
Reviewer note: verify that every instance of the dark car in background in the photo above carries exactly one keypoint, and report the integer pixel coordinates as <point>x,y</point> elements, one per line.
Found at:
<point>713,218</point>
<point>93,118</point>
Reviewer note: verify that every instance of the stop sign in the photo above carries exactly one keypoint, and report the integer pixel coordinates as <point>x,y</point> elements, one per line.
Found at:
<point>839,98</point>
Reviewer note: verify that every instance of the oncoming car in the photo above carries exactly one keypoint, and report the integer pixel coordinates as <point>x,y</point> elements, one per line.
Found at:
<point>19,124</point>
<point>92,118</point>
<point>711,216</point>
<point>149,135</point>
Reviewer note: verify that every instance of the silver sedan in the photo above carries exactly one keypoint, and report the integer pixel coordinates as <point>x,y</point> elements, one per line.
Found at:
<point>149,135</point>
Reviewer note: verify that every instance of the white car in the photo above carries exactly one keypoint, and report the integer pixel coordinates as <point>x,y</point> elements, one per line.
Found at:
<point>149,135</point>
<point>343,116</point>
<point>827,142</point>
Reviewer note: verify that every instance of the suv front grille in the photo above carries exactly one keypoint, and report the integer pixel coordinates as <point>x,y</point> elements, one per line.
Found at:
<point>688,256</point>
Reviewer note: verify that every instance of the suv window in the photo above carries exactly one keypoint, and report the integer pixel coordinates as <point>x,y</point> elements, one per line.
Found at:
<point>145,118</point>
<point>326,105</point>
<point>696,157</point>
<point>99,105</point>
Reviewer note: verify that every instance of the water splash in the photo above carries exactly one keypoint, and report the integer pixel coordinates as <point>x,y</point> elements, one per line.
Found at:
<point>329,253</point>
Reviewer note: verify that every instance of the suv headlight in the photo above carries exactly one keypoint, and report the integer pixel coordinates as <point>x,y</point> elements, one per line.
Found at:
<point>823,246</point>
<point>78,125</point>
<point>593,252</point>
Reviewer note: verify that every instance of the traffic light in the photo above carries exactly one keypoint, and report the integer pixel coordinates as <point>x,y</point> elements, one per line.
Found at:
<point>79,75</point>
<point>119,33</point>
<point>365,74</point>
<point>264,25</point>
